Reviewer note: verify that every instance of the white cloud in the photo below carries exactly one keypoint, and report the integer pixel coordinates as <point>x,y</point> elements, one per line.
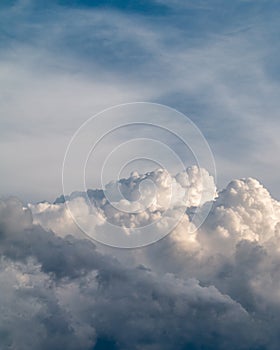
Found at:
<point>243,211</point>
<point>129,204</point>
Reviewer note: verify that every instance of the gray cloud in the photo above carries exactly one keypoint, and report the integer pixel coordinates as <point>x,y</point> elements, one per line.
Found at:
<point>217,288</point>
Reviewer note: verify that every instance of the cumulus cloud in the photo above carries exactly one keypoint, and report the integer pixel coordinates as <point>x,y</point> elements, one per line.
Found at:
<point>243,211</point>
<point>213,288</point>
<point>129,203</point>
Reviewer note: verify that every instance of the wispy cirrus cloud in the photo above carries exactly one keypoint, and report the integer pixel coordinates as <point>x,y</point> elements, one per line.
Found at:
<point>217,64</point>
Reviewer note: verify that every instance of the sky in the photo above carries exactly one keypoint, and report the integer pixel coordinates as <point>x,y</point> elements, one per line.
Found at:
<point>64,61</point>
<point>139,194</point>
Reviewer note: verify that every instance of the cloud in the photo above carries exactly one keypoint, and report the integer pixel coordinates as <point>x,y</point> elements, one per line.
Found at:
<point>244,210</point>
<point>71,296</point>
<point>31,313</point>
<point>214,288</point>
<point>137,202</point>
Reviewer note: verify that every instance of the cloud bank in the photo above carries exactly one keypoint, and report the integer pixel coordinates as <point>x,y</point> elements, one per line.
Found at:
<point>214,288</point>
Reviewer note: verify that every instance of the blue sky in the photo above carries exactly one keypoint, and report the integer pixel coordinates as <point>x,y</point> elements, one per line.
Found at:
<point>63,61</point>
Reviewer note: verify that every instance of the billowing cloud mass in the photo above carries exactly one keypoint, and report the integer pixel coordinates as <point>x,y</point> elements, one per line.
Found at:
<point>216,287</point>
<point>128,203</point>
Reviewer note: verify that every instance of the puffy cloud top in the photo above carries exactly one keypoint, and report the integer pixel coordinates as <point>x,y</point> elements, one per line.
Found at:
<point>243,211</point>
<point>133,202</point>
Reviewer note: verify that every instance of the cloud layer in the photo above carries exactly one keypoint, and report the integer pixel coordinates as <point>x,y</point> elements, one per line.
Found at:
<point>215,288</point>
